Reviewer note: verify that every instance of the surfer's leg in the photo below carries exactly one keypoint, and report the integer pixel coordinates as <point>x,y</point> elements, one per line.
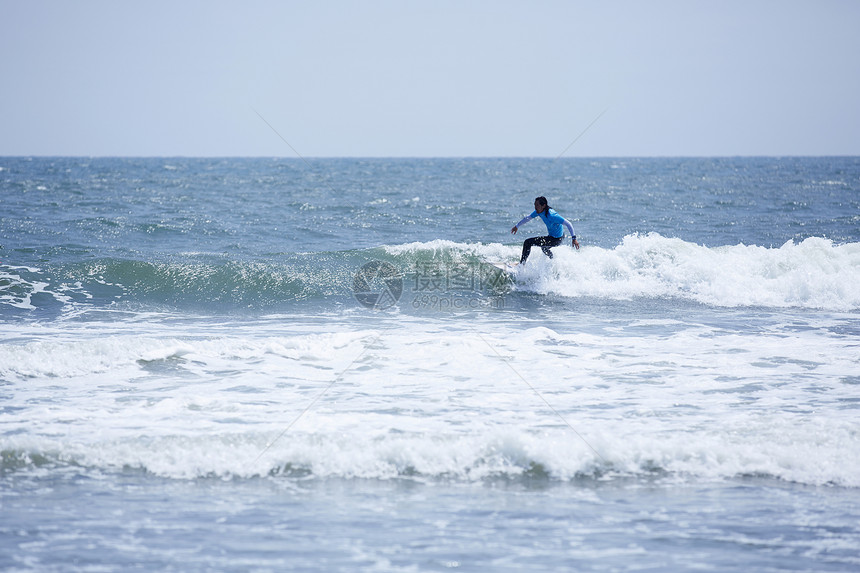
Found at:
<point>527,248</point>
<point>549,242</point>
<point>545,243</point>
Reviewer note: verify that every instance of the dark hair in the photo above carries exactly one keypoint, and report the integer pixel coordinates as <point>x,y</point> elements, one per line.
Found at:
<point>542,200</point>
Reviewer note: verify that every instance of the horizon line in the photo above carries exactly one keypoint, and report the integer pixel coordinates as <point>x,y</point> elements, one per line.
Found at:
<point>389,157</point>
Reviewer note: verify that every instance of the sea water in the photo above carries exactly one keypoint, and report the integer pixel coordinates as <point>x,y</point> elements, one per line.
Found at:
<point>313,365</point>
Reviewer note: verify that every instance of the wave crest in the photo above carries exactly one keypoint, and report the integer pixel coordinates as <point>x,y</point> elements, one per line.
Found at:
<point>815,273</point>
<point>470,457</point>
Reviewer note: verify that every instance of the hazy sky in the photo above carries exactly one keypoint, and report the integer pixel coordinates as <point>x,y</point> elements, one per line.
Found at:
<point>430,78</point>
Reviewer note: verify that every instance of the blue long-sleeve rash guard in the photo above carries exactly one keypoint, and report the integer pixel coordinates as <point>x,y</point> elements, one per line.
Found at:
<point>553,222</point>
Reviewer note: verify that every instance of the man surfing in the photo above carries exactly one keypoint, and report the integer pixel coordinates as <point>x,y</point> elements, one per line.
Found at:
<point>553,222</point>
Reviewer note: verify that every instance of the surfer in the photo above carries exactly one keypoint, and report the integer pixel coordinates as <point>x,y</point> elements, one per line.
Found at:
<point>553,222</point>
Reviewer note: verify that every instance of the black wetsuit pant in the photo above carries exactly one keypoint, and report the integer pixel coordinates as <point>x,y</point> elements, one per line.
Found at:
<point>545,243</point>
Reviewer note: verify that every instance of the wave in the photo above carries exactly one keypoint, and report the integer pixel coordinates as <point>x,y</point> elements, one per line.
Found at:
<point>426,402</point>
<point>213,284</point>
<point>196,282</point>
<point>815,273</point>
<point>773,450</point>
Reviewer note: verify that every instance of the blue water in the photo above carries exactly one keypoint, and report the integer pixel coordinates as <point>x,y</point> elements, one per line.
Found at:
<point>194,377</point>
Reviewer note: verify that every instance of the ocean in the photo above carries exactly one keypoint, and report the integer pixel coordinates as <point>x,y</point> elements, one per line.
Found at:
<point>270,364</point>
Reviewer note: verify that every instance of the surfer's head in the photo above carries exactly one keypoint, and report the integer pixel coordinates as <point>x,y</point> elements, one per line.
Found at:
<point>541,204</point>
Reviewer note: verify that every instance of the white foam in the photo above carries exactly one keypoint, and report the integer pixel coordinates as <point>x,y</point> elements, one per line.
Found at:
<point>18,292</point>
<point>815,273</point>
<point>812,274</point>
<point>819,453</point>
<point>435,400</point>
<point>70,357</point>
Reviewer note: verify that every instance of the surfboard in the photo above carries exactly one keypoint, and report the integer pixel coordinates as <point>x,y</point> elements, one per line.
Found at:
<point>510,268</point>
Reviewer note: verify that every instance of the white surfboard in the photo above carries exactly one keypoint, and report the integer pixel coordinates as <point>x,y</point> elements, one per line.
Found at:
<point>510,268</point>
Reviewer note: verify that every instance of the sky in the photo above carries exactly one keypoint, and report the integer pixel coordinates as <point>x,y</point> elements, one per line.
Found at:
<point>430,78</point>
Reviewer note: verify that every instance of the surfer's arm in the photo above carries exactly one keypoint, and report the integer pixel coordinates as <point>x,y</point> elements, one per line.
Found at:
<point>522,222</point>
<point>569,227</point>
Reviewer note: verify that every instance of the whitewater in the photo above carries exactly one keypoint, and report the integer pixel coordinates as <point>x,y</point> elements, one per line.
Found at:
<point>192,376</point>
